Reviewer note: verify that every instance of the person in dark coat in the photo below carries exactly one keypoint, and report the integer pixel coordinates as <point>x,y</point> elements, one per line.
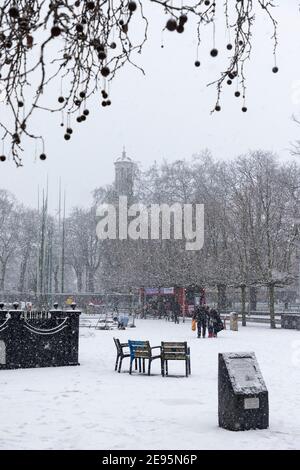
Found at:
<point>216,323</point>
<point>161,309</point>
<point>176,311</point>
<point>201,317</point>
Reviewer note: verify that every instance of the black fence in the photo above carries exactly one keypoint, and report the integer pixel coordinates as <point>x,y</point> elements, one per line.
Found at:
<point>290,321</point>
<point>38,339</point>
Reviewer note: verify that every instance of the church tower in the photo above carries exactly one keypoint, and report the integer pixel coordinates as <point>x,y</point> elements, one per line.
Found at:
<point>124,175</point>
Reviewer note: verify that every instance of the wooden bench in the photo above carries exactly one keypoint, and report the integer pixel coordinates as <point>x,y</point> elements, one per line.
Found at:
<point>175,352</point>
<point>142,351</point>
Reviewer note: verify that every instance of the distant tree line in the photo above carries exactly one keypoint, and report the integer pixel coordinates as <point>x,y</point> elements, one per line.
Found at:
<point>251,233</point>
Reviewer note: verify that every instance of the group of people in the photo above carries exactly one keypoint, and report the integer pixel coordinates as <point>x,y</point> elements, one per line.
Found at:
<point>207,319</point>
<point>168,310</point>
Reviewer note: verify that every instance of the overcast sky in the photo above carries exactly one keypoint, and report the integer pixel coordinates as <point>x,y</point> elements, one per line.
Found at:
<point>166,114</point>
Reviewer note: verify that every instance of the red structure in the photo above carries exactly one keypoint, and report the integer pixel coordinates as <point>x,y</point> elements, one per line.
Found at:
<point>187,297</point>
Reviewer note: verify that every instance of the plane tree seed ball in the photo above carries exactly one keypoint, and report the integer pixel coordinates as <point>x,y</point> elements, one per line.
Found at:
<point>105,71</point>
<point>55,31</point>
<point>13,12</point>
<point>214,52</point>
<point>102,55</point>
<point>90,5</point>
<point>183,19</point>
<point>171,24</point>
<point>197,63</point>
<point>2,158</point>
<point>43,156</point>
<point>79,28</point>
<point>275,69</point>
<point>132,6</point>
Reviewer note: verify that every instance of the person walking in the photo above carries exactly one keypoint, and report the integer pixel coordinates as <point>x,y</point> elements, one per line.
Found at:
<point>200,316</point>
<point>216,323</point>
<point>176,311</point>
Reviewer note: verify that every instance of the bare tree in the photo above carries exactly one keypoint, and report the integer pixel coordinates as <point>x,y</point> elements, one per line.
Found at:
<point>9,232</point>
<point>81,45</point>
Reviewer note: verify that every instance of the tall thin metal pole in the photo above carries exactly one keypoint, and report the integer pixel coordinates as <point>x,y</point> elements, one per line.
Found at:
<point>63,247</point>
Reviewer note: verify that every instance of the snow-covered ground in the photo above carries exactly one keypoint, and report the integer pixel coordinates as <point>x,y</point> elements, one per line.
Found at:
<point>93,407</point>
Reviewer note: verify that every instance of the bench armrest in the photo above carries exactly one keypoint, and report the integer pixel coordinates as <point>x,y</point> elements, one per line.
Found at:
<point>156,347</point>
<point>124,345</point>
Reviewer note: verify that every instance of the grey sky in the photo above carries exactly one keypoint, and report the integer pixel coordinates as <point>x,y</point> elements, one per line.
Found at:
<point>166,114</point>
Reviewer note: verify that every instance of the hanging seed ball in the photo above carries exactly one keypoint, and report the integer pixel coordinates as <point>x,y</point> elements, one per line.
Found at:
<point>132,6</point>
<point>231,75</point>
<point>125,28</point>
<point>214,52</point>
<point>2,158</point>
<point>275,69</point>
<point>105,71</point>
<point>104,94</point>
<point>102,55</point>
<point>218,107</point>
<point>90,5</point>
<point>13,12</point>
<point>244,109</point>
<point>207,2</point>
<point>79,28</point>
<point>237,94</point>
<point>78,119</point>
<point>180,28</point>
<point>20,104</point>
<point>197,63</point>
<point>229,47</point>
<point>55,31</point>
<point>241,43</point>
<point>61,99</point>
<point>183,19</point>
<point>121,22</point>
<point>77,3</point>
<point>108,102</point>
<point>113,45</point>
<point>86,112</point>
<point>69,130</point>
<point>77,102</point>
<point>104,103</point>
<point>82,94</point>
<point>67,137</point>
<point>61,124</point>
<point>229,82</point>
<point>171,24</point>
<point>83,117</point>
<point>43,156</point>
